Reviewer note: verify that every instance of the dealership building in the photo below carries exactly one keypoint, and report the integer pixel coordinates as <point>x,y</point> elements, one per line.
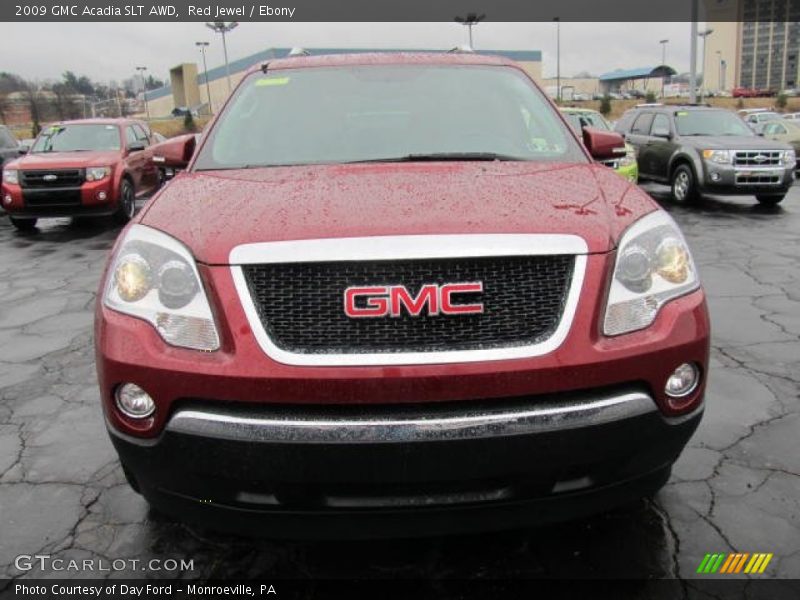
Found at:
<point>188,87</point>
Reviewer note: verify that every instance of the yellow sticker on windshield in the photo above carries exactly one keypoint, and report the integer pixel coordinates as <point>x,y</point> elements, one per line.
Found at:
<point>681,113</point>
<point>268,81</point>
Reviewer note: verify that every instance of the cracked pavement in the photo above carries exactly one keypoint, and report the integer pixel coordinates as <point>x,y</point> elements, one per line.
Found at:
<point>735,488</point>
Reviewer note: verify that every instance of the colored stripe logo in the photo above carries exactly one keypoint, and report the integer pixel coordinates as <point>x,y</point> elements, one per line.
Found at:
<point>739,562</point>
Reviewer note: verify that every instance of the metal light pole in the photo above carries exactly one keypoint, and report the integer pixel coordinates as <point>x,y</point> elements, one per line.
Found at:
<point>558,57</point>
<point>203,46</point>
<point>704,35</point>
<point>469,22</point>
<point>693,56</point>
<point>144,91</point>
<point>663,63</point>
<point>719,70</point>
<point>223,28</point>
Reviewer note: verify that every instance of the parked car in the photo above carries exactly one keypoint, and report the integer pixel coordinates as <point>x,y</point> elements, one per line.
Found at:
<point>9,146</point>
<point>580,118</point>
<point>699,150</point>
<point>743,92</point>
<point>182,111</point>
<point>795,116</point>
<point>756,120</point>
<point>81,168</point>
<point>397,310</point>
<point>783,131</point>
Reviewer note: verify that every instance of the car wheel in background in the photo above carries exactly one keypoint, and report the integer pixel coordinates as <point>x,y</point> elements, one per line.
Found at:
<point>23,224</point>
<point>770,200</point>
<point>684,187</point>
<point>127,203</point>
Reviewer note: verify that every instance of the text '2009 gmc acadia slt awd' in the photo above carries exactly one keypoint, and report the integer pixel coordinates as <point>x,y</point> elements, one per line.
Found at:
<point>393,289</point>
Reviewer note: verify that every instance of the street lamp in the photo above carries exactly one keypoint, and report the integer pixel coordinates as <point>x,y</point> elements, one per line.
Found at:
<point>704,35</point>
<point>558,57</point>
<point>719,70</point>
<point>144,91</point>
<point>663,63</point>
<point>223,28</point>
<point>203,46</point>
<point>469,22</point>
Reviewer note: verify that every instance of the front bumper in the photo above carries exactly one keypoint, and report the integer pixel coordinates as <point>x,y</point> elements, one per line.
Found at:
<point>83,200</point>
<point>420,471</point>
<point>629,172</point>
<point>730,180</point>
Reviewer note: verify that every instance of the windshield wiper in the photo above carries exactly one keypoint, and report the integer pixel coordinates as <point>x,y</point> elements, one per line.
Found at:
<point>444,156</point>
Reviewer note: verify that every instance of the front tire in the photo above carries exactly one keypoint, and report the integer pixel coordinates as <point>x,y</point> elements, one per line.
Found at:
<point>770,200</point>
<point>127,203</point>
<point>684,186</point>
<point>23,224</point>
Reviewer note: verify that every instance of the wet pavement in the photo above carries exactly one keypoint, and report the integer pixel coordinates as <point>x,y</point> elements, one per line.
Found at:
<point>735,488</point>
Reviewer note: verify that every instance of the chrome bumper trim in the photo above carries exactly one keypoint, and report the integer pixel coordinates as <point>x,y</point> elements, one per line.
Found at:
<point>579,411</point>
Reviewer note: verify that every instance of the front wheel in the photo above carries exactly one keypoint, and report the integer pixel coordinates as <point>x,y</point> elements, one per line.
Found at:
<point>684,186</point>
<point>770,200</point>
<point>127,203</point>
<point>23,224</point>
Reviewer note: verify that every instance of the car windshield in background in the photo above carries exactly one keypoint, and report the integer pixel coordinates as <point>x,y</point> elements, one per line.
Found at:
<point>587,119</point>
<point>710,122</point>
<point>384,113</point>
<point>76,138</point>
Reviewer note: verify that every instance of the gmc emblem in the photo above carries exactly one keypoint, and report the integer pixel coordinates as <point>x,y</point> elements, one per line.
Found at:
<point>390,300</point>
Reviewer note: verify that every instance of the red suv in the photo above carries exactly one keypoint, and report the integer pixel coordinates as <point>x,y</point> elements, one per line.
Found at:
<point>393,289</point>
<point>90,167</point>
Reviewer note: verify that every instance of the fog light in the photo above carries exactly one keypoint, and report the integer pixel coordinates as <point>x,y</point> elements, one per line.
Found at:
<point>715,177</point>
<point>101,195</point>
<point>7,199</point>
<point>683,381</point>
<point>134,402</point>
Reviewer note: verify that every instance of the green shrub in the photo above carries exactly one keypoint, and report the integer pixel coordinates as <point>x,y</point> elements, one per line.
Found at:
<point>605,105</point>
<point>188,123</point>
<point>780,101</point>
<point>650,97</point>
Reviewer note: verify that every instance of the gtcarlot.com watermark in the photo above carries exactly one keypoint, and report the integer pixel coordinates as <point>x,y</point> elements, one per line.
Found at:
<point>45,562</point>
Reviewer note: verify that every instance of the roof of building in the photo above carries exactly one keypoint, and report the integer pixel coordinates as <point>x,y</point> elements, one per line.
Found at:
<point>640,73</point>
<point>243,64</point>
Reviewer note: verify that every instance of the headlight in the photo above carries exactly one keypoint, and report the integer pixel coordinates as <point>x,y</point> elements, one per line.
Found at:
<point>722,157</point>
<point>154,277</point>
<point>789,158</point>
<point>97,173</point>
<point>11,176</point>
<point>653,266</point>
<point>629,158</point>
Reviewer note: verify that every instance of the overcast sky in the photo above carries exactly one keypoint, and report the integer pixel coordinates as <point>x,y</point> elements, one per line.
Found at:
<point>111,51</point>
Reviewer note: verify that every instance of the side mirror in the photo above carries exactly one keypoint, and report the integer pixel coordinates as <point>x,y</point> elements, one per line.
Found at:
<point>175,153</point>
<point>137,146</point>
<point>662,133</point>
<point>603,145</point>
<point>23,149</point>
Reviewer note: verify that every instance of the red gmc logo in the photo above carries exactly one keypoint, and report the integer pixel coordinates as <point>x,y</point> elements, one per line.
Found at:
<point>390,300</point>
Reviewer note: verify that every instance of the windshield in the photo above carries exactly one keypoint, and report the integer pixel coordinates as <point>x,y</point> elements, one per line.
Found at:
<point>710,122</point>
<point>767,116</point>
<point>373,113</point>
<point>75,138</point>
<point>579,120</point>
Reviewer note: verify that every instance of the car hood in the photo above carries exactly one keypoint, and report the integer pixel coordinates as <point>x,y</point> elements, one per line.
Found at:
<point>66,160</point>
<point>214,211</point>
<point>733,142</point>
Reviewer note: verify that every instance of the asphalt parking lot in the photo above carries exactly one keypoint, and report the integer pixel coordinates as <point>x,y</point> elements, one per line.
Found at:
<point>736,487</point>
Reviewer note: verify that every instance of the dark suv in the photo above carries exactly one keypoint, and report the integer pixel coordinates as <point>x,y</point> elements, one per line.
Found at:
<point>698,149</point>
